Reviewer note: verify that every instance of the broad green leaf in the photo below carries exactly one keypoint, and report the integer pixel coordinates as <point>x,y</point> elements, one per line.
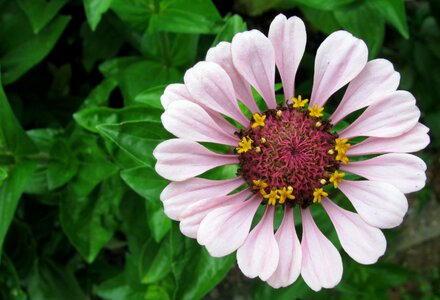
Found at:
<point>324,4</point>
<point>90,118</point>
<point>49,281</point>
<point>41,12</point>
<point>358,19</point>
<point>10,285</point>
<point>17,60</point>
<point>233,25</point>
<point>155,263</point>
<point>99,96</point>
<point>394,12</point>
<point>90,221</point>
<point>112,67</point>
<point>3,175</point>
<point>146,182</point>
<point>196,16</point>
<point>13,139</point>
<point>151,96</point>
<point>137,138</point>
<point>10,193</point>
<point>298,290</point>
<point>258,7</point>
<point>135,13</point>
<point>62,166</point>
<point>321,19</point>
<point>117,288</point>
<point>94,11</point>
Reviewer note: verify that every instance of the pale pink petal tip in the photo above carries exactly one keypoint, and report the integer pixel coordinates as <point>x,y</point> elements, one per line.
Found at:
<point>338,60</point>
<point>289,266</point>
<point>179,159</point>
<point>364,243</point>
<point>288,37</point>
<point>404,171</point>
<point>254,57</point>
<point>259,255</point>
<point>379,204</point>
<point>225,229</point>
<point>174,92</point>
<point>321,263</point>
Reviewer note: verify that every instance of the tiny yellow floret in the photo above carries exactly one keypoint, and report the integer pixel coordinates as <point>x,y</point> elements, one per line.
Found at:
<point>342,157</point>
<point>322,181</point>
<point>259,185</point>
<point>245,145</point>
<point>299,102</point>
<point>318,194</point>
<point>285,194</point>
<point>336,178</point>
<point>316,111</point>
<point>259,120</point>
<point>342,145</point>
<point>272,197</point>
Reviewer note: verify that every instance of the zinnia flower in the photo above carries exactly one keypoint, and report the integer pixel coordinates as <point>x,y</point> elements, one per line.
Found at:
<point>289,156</point>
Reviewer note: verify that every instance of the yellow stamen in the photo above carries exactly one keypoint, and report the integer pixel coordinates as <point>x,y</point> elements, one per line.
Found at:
<point>279,114</point>
<point>245,145</point>
<point>336,178</point>
<point>318,124</point>
<point>323,181</point>
<point>259,120</point>
<point>272,197</point>
<point>258,149</point>
<point>263,140</point>
<point>318,194</point>
<point>316,111</point>
<point>285,194</point>
<point>298,102</point>
<point>259,185</point>
<point>342,145</point>
<point>342,157</point>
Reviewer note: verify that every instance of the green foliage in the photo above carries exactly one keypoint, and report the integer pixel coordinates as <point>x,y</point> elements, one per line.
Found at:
<point>80,210</point>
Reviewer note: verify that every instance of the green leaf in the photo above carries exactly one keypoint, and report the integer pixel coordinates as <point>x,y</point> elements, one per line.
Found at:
<point>324,4</point>
<point>63,165</point>
<point>94,11</point>
<point>41,12</point>
<point>151,96</point>
<point>13,139</point>
<point>10,193</point>
<point>90,118</point>
<point>358,20</point>
<point>100,94</point>
<point>117,288</point>
<point>234,24</point>
<point>90,221</point>
<point>3,175</point>
<point>17,60</point>
<point>10,285</point>
<point>196,16</point>
<point>321,19</point>
<point>155,263</point>
<point>394,12</point>
<point>135,13</point>
<point>137,138</point>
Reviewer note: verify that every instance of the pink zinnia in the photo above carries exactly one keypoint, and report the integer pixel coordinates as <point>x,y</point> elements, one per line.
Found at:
<point>288,155</point>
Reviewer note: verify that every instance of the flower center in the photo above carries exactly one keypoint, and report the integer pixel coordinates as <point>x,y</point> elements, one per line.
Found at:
<point>288,154</point>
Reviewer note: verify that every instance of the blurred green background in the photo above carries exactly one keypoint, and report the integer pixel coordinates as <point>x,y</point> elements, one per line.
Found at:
<point>80,216</point>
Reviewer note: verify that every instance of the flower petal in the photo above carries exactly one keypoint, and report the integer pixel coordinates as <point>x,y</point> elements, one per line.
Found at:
<point>254,57</point>
<point>338,60</point>
<point>377,79</point>
<point>188,120</point>
<point>364,243</point>
<point>179,195</point>
<point>179,159</point>
<point>210,85</point>
<point>288,37</point>
<point>411,141</point>
<point>379,204</point>
<point>259,254</point>
<point>405,171</point>
<point>193,214</point>
<point>289,266</point>
<point>225,229</point>
<point>393,115</point>
<point>222,55</point>
<point>321,263</point>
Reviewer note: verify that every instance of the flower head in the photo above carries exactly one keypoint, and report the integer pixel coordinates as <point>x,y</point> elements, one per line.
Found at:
<point>288,154</point>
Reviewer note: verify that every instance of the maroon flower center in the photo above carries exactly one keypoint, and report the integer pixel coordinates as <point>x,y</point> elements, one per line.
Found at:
<point>290,151</point>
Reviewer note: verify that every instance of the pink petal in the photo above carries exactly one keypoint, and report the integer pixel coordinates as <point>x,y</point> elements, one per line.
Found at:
<point>321,263</point>
<point>364,243</point>
<point>188,120</point>
<point>179,159</point>
<point>174,92</point>
<point>179,195</point>
<point>411,141</point>
<point>254,57</point>
<point>288,37</point>
<point>338,60</point>
<point>289,266</point>
<point>222,55</point>
<point>225,229</point>
<point>405,171</point>
<point>377,79</point>
<point>211,86</point>
<point>194,213</point>
<point>259,254</point>
<point>379,204</point>
<point>393,115</point>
